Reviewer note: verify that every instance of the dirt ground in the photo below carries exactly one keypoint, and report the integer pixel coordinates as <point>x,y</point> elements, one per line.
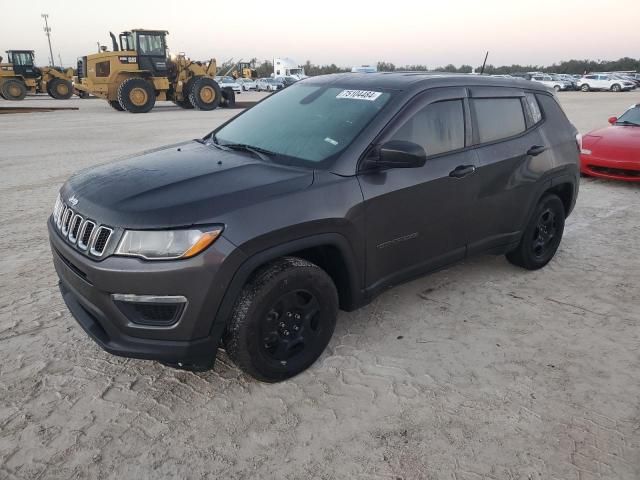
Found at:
<point>480,371</point>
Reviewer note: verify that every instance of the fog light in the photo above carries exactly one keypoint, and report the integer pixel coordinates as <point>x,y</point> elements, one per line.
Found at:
<point>151,310</point>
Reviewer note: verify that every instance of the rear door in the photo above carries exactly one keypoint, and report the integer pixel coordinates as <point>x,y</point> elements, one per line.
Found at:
<point>509,150</point>
<point>416,218</point>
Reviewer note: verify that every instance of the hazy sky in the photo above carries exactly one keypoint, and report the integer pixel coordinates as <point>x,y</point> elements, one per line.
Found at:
<point>342,32</point>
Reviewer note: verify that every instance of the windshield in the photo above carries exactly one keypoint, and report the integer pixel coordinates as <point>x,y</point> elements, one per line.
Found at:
<point>305,123</point>
<point>631,116</point>
<point>22,58</point>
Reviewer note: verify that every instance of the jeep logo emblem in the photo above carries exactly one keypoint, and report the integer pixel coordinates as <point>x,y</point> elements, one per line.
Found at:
<point>73,200</point>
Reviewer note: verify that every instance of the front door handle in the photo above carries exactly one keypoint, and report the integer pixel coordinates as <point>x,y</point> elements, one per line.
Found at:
<point>462,171</point>
<point>536,150</point>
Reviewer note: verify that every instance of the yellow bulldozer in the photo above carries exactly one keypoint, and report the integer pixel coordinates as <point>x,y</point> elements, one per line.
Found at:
<point>138,72</point>
<point>19,76</point>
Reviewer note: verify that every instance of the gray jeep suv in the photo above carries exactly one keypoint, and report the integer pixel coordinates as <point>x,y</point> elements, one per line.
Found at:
<point>314,200</point>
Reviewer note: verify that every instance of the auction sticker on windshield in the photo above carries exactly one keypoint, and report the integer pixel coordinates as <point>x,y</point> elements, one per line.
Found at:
<point>359,95</point>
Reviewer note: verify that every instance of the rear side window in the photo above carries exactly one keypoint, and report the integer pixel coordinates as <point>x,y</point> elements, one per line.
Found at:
<point>498,118</point>
<point>534,108</point>
<point>438,128</point>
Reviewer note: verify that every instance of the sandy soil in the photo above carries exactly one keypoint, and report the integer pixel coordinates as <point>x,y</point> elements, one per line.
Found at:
<point>480,371</point>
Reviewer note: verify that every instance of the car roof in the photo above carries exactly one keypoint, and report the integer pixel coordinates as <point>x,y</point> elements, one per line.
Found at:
<point>416,80</point>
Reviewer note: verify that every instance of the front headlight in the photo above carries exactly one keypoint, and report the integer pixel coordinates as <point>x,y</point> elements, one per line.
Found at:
<point>166,244</point>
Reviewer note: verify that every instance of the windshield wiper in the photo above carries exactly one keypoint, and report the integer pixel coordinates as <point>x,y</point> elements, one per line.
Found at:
<point>261,153</point>
<point>627,122</point>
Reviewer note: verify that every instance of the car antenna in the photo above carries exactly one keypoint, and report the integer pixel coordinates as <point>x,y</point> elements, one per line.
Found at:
<point>484,63</point>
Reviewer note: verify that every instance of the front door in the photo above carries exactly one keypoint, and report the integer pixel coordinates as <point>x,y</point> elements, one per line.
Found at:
<point>416,217</point>
<point>152,53</point>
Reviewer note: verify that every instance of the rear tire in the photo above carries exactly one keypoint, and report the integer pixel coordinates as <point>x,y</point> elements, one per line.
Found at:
<point>615,87</point>
<point>205,94</point>
<point>136,95</point>
<point>13,89</point>
<point>115,105</point>
<point>542,235</point>
<point>60,89</point>
<point>585,88</point>
<point>282,320</point>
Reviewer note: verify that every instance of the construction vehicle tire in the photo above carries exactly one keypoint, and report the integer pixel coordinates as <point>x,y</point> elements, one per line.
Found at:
<point>60,89</point>
<point>205,94</point>
<point>13,89</point>
<point>229,98</point>
<point>136,95</point>
<point>115,104</point>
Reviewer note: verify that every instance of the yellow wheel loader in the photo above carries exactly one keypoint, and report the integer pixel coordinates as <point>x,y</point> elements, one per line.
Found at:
<point>138,72</point>
<point>20,76</point>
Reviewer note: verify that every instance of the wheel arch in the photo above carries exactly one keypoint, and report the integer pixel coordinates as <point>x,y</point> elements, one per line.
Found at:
<point>330,251</point>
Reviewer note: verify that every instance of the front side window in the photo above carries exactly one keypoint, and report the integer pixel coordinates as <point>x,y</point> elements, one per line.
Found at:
<point>150,44</point>
<point>438,128</point>
<point>498,118</point>
<point>305,123</point>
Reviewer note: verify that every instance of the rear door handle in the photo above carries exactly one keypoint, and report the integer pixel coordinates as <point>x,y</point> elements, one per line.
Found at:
<point>536,150</point>
<point>462,171</point>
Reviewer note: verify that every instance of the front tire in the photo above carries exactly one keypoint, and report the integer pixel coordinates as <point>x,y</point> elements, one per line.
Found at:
<point>585,88</point>
<point>615,87</point>
<point>136,95</point>
<point>60,89</point>
<point>542,236</point>
<point>205,94</point>
<point>283,320</point>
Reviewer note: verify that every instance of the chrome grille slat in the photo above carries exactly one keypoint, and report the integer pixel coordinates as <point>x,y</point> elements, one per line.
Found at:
<point>84,239</point>
<point>84,234</point>
<point>68,215</point>
<point>74,228</point>
<point>100,240</point>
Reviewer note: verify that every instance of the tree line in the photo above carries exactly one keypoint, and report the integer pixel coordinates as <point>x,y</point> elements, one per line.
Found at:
<point>265,68</point>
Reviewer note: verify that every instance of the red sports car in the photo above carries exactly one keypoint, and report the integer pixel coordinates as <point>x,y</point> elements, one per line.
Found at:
<point>614,152</point>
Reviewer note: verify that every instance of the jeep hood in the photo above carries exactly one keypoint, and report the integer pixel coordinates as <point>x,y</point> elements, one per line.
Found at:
<point>177,186</point>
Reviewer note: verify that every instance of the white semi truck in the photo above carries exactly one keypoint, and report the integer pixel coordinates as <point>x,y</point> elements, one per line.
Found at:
<point>287,67</point>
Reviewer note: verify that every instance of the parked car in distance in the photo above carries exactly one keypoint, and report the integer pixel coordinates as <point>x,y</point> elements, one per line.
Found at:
<point>247,84</point>
<point>229,82</point>
<point>316,199</point>
<point>568,79</point>
<point>550,82</point>
<point>287,81</point>
<point>603,82</point>
<point>614,152</point>
<point>269,85</point>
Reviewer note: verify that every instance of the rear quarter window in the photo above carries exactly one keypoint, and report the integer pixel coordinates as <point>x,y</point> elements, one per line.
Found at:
<point>498,118</point>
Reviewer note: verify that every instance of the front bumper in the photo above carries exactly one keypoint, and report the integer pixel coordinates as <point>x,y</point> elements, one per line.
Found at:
<point>628,171</point>
<point>87,287</point>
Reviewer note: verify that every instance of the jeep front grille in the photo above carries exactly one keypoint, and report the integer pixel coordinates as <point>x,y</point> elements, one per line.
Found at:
<point>86,235</point>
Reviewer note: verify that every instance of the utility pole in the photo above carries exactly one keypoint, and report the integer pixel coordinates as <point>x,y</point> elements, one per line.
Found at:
<point>60,59</point>
<point>47,32</point>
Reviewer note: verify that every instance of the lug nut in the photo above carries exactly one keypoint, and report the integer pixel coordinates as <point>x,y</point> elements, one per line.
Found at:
<point>286,333</point>
<point>282,325</point>
<point>297,316</point>
<point>296,328</point>
<point>289,314</point>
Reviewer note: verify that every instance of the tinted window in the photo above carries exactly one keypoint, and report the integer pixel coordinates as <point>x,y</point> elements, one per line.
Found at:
<point>534,108</point>
<point>438,128</point>
<point>498,118</point>
<point>591,77</point>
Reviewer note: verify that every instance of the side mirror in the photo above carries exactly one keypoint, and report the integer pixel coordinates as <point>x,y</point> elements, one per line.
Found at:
<point>398,154</point>
<point>613,120</point>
